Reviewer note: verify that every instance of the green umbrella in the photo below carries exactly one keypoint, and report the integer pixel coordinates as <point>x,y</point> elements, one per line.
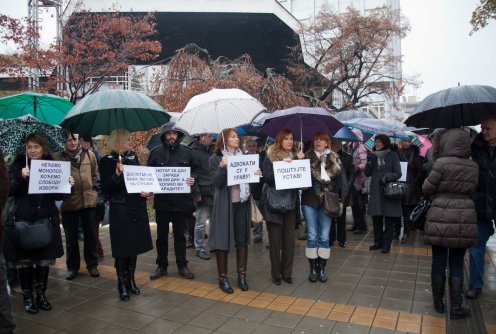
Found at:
<point>104,111</point>
<point>48,108</point>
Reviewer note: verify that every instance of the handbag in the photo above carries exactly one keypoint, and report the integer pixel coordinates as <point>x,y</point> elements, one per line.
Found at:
<point>281,201</point>
<point>395,189</point>
<point>332,205</point>
<point>418,214</point>
<point>33,235</point>
<point>256,215</point>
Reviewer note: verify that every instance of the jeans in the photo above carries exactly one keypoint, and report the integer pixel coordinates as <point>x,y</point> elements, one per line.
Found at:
<point>70,221</point>
<point>6,321</point>
<point>178,220</point>
<point>202,214</point>
<point>440,257</point>
<point>318,227</point>
<point>477,253</point>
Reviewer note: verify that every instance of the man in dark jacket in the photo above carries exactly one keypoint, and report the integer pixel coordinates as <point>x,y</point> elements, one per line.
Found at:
<point>6,322</point>
<point>484,154</point>
<point>202,149</point>
<point>173,207</point>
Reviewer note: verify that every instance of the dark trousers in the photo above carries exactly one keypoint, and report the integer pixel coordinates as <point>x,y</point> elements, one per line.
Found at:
<point>407,223</point>
<point>70,221</point>
<point>282,244</point>
<point>338,228</point>
<point>6,321</point>
<point>358,210</point>
<point>383,230</point>
<point>451,257</point>
<point>190,226</point>
<point>178,220</point>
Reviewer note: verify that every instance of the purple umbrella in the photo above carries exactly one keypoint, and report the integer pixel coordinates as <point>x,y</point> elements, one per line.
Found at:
<point>302,121</point>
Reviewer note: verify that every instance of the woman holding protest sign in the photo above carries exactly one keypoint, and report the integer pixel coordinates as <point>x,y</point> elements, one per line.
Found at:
<point>326,171</point>
<point>128,218</point>
<point>32,208</point>
<point>231,215</point>
<point>280,221</point>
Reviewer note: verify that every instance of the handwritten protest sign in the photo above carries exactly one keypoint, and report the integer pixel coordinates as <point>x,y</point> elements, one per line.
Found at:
<point>242,168</point>
<point>49,177</point>
<point>139,178</point>
<point>173,179</point>
<point>404,169</point>
<point>292,175</point>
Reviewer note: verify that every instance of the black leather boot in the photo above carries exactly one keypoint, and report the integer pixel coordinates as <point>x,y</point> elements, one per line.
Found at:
<point>221,257</point>
<point>312,277</point>
<point>131,283</point>
<point>122,279</point>
<point>26,280</point>
<point>241,262</point>
<point>321,270</point>
<point>457,309</point>
<point>41,274</point>
<point>438,283</point>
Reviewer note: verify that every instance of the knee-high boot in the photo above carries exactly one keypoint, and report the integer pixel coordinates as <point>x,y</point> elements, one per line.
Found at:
<point>121,264</point>
<point>41,274</point>
<point>438,286</point>
<point>457,309</point>
<point>221,257</point>
<point>131,284</point>
<point>321,269</point>
<point>311,254</point>
<point>26,280</point>
<point>241,262</point>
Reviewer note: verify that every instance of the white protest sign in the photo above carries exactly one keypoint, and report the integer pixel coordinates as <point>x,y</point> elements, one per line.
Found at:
<point>292,175</point>
<point>173,179</point>
<point>404,169</point>
<point>49,177</point>
<point>139,178</point>
<point>242,168</point>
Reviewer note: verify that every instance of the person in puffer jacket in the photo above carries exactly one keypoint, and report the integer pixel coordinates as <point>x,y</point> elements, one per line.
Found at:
<point>451,222</point>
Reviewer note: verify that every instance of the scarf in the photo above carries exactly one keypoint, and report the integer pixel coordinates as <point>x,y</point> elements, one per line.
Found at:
<point>381,164</point>
<point>244,188</point>
<point>75,156</point>
<point>323,157</point>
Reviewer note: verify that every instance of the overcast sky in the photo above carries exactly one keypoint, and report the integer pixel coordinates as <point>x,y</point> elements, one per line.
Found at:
<point>438,47</point>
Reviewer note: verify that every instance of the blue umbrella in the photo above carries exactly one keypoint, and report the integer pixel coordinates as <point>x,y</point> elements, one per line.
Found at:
<point>375,126</point>
<point>345,134</point>
<point>302,121</point>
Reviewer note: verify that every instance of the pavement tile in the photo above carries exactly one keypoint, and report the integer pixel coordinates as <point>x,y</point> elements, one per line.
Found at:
<point>160,326</point>
<point>339,316</point>
<point>426,329</point>
<point>283,319</point>
<point>208,320</point>
<point>384,323</point>
<point>318,313</point>
<point>410,327</point>
<point>312,325</point>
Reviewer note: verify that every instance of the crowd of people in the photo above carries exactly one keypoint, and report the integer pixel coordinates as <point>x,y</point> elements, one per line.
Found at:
<point>457,173</point>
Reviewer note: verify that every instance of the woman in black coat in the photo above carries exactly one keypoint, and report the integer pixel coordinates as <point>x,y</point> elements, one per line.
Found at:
<point>128,217</point>
<point>31,207</point>
<point>383,166</point>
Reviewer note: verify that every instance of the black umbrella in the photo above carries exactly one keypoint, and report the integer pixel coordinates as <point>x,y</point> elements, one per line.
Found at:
<point>455,107</point>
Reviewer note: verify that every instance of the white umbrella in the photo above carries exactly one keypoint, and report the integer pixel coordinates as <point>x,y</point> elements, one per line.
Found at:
<point>218,109</point>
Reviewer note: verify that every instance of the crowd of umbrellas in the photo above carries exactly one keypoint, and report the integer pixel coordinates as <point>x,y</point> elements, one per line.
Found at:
<point>208,113</point>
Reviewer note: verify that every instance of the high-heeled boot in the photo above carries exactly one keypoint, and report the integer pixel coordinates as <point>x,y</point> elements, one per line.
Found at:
<point>26,280</point>
<point>221,257</point>
<point>241,262</point>
<point>131,282</point>
<point>438,283</point>
<point>121,264</point>
<point>457,309</point>
<point>41,274</point>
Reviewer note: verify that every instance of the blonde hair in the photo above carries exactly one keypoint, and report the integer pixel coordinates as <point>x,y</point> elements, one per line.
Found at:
<point>116,137</point>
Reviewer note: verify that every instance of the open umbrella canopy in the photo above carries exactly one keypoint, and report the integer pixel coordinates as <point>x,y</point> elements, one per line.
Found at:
<point>374,126</point>
<point>48,108</point>
<point>218,109</point>
<point>13,133</point>
<point>102,112</point>
<point>346,115</point>
<point>345,134</point>
<point>455,107</point>
<point>302,121</point>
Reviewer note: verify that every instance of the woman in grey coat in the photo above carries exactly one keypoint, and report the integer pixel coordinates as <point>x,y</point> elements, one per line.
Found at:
<point>383,166</point>
<point>451,222</point>
<point>231,215</point>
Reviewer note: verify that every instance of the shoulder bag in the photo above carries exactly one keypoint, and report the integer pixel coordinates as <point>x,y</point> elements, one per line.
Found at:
<point>256,215</point>
<point>33,235</point>
<point>332,205</point>
<point>395,189</point>
<point>281,201</point>
<point>419,212</point>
